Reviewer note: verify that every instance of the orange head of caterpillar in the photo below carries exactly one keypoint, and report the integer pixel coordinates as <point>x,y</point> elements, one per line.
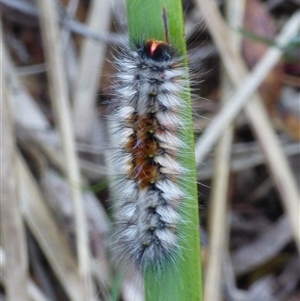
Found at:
<point>156,50</point>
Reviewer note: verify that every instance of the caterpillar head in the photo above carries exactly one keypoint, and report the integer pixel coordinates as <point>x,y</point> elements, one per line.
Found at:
<point>155,50</point>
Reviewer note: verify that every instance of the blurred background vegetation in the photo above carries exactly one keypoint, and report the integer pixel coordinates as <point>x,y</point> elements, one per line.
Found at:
<point>56,75</point>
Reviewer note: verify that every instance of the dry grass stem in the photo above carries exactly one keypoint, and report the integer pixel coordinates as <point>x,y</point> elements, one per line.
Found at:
<point>73,25</point>
<point>23,105</point>
<point>57,192</point>
<point>12,227</point>
<point>255,111</point>
<point>249,156</point>
<point>89,72</point>
<point>218,227</point>
<point>236,68</point>
<point>34,293</point>
<point>24,6</point>
<point>47,233</point>
<point>61,105</point>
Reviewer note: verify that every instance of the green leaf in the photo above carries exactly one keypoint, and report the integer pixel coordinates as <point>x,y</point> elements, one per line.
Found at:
<point>179,280</point>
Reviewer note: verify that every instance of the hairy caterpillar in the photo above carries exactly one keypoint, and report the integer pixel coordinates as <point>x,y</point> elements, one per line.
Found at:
<point>151,78</point>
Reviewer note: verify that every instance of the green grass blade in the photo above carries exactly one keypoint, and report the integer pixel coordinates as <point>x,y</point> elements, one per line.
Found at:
<point>181,281</point>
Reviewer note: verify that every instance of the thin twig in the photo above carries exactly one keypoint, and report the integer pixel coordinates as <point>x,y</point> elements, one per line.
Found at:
<point>249,156</point>
<point>255,111</point>
<point>218,227</point>
<point>61,105</point>
<point>31,69</point>
<point>45,230</point>
<point>65,32</point>
<point>23,104</point>
<point>236,67</point>
<point>12,226</point>
<point>90,67</point>
<point>74,25</point>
